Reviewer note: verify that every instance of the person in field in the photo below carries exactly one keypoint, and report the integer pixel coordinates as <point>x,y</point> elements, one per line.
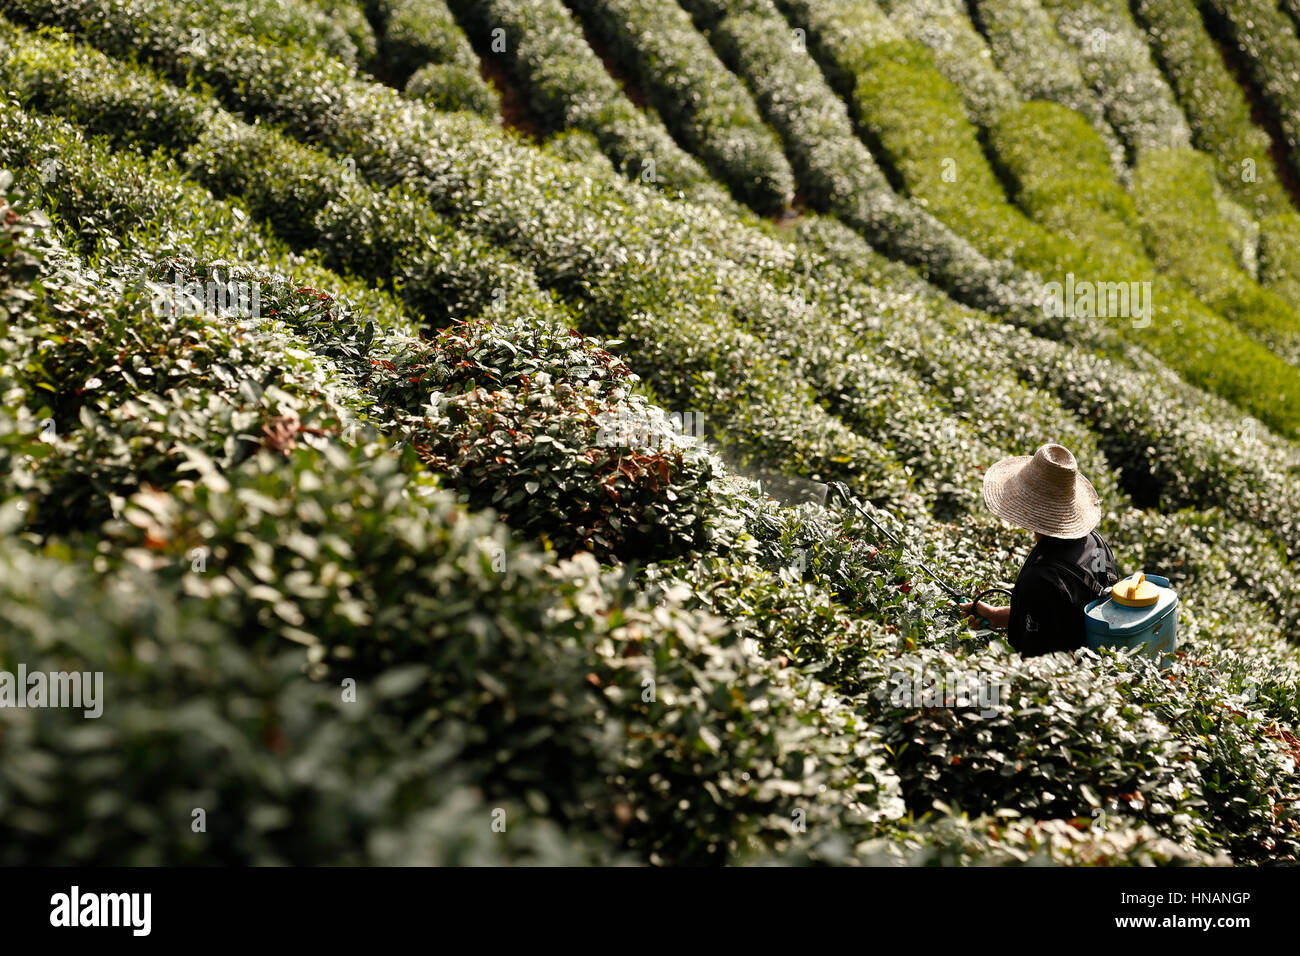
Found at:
<point>1070,565</point>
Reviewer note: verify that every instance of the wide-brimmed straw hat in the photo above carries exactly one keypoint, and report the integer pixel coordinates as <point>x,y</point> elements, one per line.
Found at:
<point>1043,492</point>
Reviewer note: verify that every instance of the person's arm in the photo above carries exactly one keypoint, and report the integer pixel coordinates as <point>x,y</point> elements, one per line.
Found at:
<point>998,617</point>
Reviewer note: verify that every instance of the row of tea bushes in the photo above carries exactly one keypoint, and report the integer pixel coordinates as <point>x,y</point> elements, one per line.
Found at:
<point>1071,192</point>
<point>1175,194</point>
<point>119,454</point>
<point>365,122</point>
<point>1105,34</point>
<point>919,118</point>
<point>310,199</point>
<point>1247,506</point>
<point>106,197</point>
<point>569,88</point>
<point>766,420</point>
<point>1030,53</point>
<point>350,15</point>
<point>708,109</point>
<point>415,34</point>
<point>283,770</point>
<point>835,168</point>
<point>1115,61</point>
<point>443,617</point>
<point>1264,42</point>
<point>1214,104</point>
<point>1185,234</point>
<point>930,753</point>
<point>123,374</point>
<point>1279,254</point>
<point>404,578</point>
<point>422,48</point>
<point>960,53</point>
<point>302,22</point>
<point>1222,126</point>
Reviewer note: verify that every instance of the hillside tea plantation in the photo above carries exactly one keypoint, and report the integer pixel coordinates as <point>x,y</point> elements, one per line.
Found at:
<point>418,418</point>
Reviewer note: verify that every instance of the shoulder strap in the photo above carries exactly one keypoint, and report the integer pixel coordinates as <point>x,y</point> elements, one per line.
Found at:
<point>1084,576</point>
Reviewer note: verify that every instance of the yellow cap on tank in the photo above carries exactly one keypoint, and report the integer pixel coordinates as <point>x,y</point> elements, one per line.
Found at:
<point>1136,591</point>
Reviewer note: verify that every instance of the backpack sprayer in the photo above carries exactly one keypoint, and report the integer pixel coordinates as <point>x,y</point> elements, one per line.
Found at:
<point>952,592</point>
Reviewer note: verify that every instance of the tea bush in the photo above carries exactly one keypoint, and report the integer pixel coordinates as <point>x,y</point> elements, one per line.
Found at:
<point>960,53</point>
<point>1214,104</point>
<point>1115,61</point>
<point>889,99</point>
<point>1041,66</point>
<point>283,769</point>
<point>424,51</point>
<point>350,16</point>
<point>704,104</point>
<point>760,424</point>
<point>1221,126</point>
<point>413,35</point>
<point>569,88</point>
<point>1187,238</point>
<point>834,167</point>
<point>1265,43</point>
<point>446,86</point>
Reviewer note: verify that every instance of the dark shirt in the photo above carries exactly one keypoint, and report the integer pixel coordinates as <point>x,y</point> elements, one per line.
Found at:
<point>1060,577</point>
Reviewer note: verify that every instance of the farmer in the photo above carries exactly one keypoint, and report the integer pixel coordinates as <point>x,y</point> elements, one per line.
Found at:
<point>1070,564</point>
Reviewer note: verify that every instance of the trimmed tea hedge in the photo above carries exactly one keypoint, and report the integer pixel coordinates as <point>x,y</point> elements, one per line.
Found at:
<point>1186,235</point>
<point>372,573</point>
<point>395,374</point>
<point>446,86</point>
<point>425,51</point>
<point>708,109</point>
<point>350,16</point>
<point>919,120</point>
<point>1175,192</point>
<point>311,200</point>
<point>1222,126</point>
<point>961,54</point>
<point>413,33</point>
<point>1214,103</point>
<point>835,168</point>
<point>1027,48</point>
<point>764,412</point>
<point>192,720</point>
<point>1268,49</point>
<point>1070,191</point>
<point>1115,61</point>
<point>569,88</point>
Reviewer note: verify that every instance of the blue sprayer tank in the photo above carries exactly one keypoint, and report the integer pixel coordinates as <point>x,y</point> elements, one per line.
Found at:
<point>1138,610</point>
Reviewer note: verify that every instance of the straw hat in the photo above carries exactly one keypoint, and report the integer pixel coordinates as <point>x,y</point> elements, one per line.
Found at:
<point>1044,493</point>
